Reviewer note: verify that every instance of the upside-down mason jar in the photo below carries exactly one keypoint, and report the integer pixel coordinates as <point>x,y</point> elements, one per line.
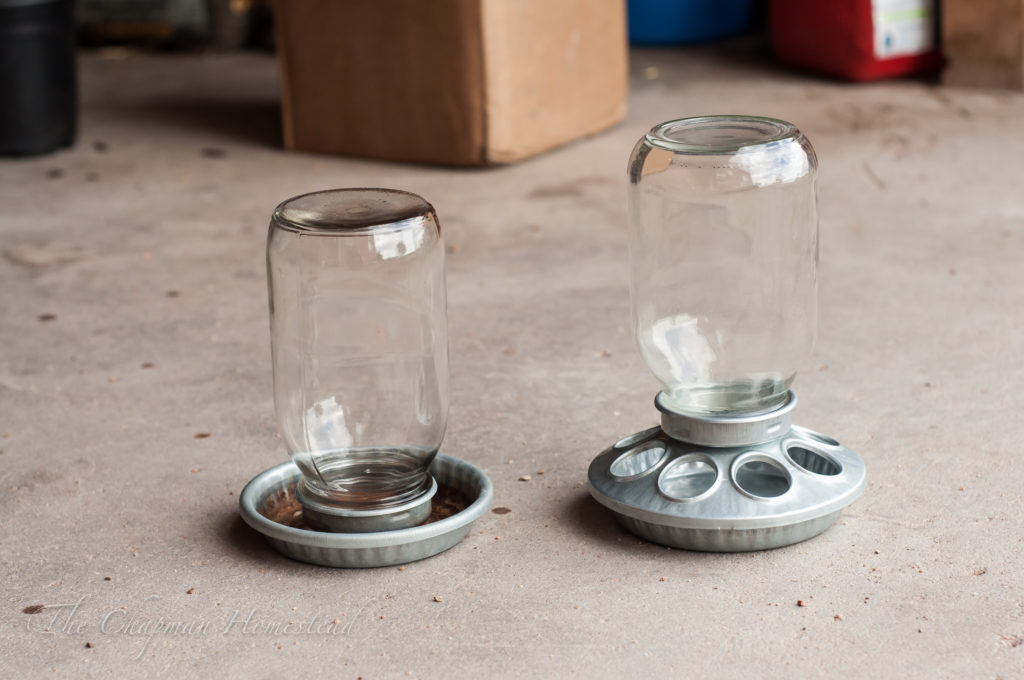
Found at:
<point>360,352</point>
<point>724,255</point>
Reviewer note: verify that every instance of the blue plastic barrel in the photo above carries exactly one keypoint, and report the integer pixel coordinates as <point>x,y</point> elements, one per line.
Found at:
<point>668,22</point>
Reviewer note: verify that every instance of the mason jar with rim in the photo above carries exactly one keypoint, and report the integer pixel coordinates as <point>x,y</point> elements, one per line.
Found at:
<point>359,343</point>
<point>724,259</point>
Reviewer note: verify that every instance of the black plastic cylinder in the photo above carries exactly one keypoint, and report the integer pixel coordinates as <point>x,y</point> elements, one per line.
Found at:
<point>37,76</point>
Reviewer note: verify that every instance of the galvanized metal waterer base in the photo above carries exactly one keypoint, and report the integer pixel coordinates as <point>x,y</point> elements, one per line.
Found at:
<point>365,549</point>
<point>727,484</point>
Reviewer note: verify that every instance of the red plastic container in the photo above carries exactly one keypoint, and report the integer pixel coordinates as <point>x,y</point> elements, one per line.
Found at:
<point>857,39</point>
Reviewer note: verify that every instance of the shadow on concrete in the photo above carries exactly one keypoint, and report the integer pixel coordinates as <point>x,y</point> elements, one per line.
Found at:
<point>247,542</point>
<point>597,522</point>
<point>247,121</point>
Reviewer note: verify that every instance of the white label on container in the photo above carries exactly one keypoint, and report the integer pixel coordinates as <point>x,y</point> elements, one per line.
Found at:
<point>903,27</point>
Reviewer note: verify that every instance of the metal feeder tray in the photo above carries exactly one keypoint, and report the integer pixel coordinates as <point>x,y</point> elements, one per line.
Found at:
<point>370,549</point>
<point>733,484</point>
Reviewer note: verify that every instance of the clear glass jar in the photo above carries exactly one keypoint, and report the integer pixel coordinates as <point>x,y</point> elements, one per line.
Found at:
<point>724,258</point>
<point>359,341</point>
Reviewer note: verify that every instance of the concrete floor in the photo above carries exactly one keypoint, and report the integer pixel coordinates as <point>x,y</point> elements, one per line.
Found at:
<point>135,317</point>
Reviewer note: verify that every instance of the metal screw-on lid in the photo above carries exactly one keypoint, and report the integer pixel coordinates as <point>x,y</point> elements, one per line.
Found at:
<point>726,430</point>
<point>327,517</point>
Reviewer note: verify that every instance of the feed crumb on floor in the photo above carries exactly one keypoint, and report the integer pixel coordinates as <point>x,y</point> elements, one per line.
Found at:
<point>1012,640</point>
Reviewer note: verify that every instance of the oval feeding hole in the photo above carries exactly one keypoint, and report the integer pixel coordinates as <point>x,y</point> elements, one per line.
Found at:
<point>687,478</point>
<point>762,477</point>
<point>816,436</point>
<point>638,461</point>
<point>634,438</point>
<point>813,461</point>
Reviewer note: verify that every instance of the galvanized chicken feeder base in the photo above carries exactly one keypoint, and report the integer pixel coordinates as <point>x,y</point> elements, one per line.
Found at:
<point>366,549</point>
<point>727,484</point>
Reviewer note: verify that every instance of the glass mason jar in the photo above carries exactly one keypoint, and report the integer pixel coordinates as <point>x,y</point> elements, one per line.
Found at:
<point>724,257</point>
<point>359,342</point>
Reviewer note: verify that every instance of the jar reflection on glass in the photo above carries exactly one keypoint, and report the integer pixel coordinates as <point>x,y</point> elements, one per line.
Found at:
<point>724,255</point>
<point>359,342</point>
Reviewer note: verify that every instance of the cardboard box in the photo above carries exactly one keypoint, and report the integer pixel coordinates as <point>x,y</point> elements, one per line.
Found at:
<point>460,82</point>
<point>984,43</point>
